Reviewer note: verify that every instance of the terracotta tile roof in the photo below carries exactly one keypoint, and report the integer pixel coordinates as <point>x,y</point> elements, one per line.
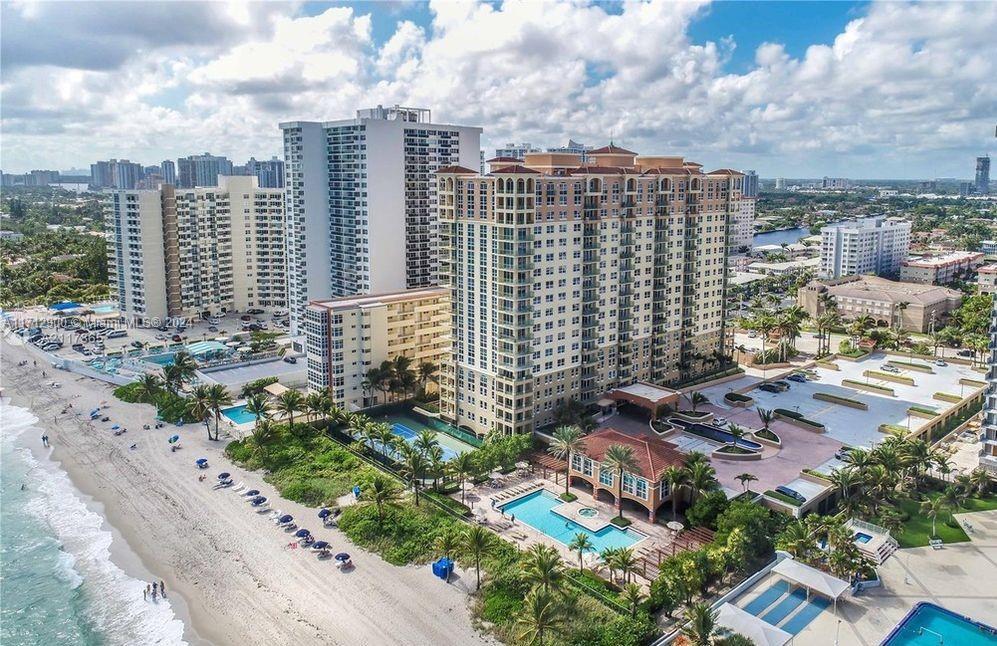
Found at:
<point>596,170</point>
<point>611,150</point>
<point>652,455</point>
<point>514,160</point>
<point>506,170</point>
<point>459,170</point>
<point>725,171</point>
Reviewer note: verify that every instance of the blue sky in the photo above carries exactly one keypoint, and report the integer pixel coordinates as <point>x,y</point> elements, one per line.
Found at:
<point>855,89</point>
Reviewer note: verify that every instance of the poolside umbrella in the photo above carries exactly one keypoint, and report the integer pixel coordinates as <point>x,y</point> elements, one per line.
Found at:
<point>223,475</point>
<point>174,438</point>
<point>324,513</point>
<point>320,545</point>
<point>252,492</point>
<point>301,533</point>
<point>286,518</point>
<point>342,556</point>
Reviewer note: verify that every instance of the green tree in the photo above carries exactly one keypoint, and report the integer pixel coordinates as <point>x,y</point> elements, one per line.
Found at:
<point>567,441</point>
<point>288,403</point>
<point>199,406</point>
<point>542,566</point>
<point>697,399</point>
<point>461,468</point>
<point>542,613</point>
<point>701,627</point>
<point>632,596</point>
<point>219,398</point>
<point>676,478</point>
<point>580,544</point>
<point>380,492</point>
<point>746,479</point>
<point>413,467</point>
<point>619,459</point>
<point>257,404</point>
<point>148,387</point>
<point>477,543</point>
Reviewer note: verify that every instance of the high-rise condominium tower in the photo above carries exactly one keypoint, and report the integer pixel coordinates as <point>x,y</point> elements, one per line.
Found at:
<point>168,169</point>
<point>361,201</point>
<point>869,246</point>
<point>181,252</point>
<point>568,280</point>
<point>982,175</point>
<point>201,170</point>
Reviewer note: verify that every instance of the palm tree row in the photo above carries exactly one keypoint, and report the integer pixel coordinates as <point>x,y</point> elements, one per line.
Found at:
<point>788,323</point>
<point>697,477</point>
<point>398,377</point>
<point>803,538</point>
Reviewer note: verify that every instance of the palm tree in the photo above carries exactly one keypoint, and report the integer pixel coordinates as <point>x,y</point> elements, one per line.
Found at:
<point>387,376</point>
<point>797,540</point>
<point>172,378</point>
<point>766,417</point>
<point>461,468</point>
<point>580,543</point>
<point>675,478</point>
<point>262,432</point>
<point>737,432</point>
<point>185,366</point>
<point>900,308</point>
<point>980,479</point>
<point>542,566</point>
<point>764,323</point>
<point>608,556</point>
<point>148,387</point>
<point>382,434</point>
<point>697,398</point>
<point>317,403</point>
<point>403,378</point>
<point>476,543</point>
<point>288,403</point>
<point>745,479</point>
<point>567,442</point>
<point>413,467</point>
<point>381,492</point>
<point>632,596</point>
<point>619,458</point>
<point>218,398</point>
<point>542,613</point>
<point>844,480</point>
<point>199,406</point>
<point>447,545</point>
<point>626,562</point>
<point>426,372</point>
<point>952,498</point>
<point>931,508</point>
<point>436,465</point>
<point>259,406</point>
<point>425,441</point>
<point>701,477</point>
<point>701,626</point>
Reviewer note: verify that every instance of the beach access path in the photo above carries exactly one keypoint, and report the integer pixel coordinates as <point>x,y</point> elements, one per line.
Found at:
<point>240,583</point>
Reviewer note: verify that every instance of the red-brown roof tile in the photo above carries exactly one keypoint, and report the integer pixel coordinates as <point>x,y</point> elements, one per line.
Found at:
<point>508,170</point>
<point>514,160</point>
<point>652,455</point>
<point>457,170</point>
<point>611,150</point>
<point>725,171</point>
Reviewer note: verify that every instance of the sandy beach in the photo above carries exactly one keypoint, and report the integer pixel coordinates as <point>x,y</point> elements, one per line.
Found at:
<point>238,581</point>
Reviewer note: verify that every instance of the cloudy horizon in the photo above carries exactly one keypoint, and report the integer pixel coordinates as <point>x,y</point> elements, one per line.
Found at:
<point>882,90</point>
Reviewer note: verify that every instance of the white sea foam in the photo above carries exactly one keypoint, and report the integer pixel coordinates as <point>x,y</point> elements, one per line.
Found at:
<point>113,599</point>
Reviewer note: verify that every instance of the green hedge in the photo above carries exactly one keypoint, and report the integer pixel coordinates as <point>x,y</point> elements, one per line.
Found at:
<point>972,382</point>
<point>889,376</point>
<point>844,401</point>
<point>923,410</point>
<point>911,365</point>
<point>796,418</point>
<point>771,493</point>
<point>257,385</point>
<point>767,434</point>
<point>861,385</point>
<point>738,397</point>
<point>892,428</point>
<point>947,397</point>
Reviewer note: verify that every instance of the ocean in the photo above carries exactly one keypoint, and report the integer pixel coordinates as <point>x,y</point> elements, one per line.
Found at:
<point>58,584</point>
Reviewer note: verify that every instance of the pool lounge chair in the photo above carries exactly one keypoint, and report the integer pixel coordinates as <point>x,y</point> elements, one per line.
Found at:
<point>935,543</point>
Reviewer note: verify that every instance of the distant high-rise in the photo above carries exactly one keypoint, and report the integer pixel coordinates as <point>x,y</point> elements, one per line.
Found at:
<point>516,150</point>
<point>983,175</point>
<point>168,169</point>
<point>361,201</point>
<point>868,246</point>
<point>835,183</point>
<point>201,170</point>
<point>115,173</point>
<point>780,183</point>
<point>269,173</point>
<point>750,184</point>
<point>572,148</point>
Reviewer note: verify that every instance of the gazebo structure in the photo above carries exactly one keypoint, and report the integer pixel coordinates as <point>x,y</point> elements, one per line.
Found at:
<point>645,395</point>
<point>759,631</point>
<point>812,579</point>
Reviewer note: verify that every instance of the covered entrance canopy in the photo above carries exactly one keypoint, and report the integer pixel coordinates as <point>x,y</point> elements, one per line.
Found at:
<point>647,396</point>
<point>812,579</point>
<point>760,632</point>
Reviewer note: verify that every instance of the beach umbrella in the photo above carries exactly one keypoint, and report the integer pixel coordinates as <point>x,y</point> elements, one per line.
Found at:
<point>200,461</point>
<point>301,533</point>
<point>116,427</point>
<point>259,500</point>
<point>342,556</point>
<point>286,518</point>
<point>324,513</point>
<point>252,492</point>
<point>320,545</point>
<point>223,475</point>
<point>174,438</point>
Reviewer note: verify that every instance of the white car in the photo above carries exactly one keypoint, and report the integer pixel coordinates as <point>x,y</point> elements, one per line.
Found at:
<point>720,421</point>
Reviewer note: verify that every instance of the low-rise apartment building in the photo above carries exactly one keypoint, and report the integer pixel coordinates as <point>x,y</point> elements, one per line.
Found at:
<point>571,278</point>
<point>986,279</point>
<point>917,307</point>
<point>210,249</point>
<point>941,269</point>
<point>348,336</point>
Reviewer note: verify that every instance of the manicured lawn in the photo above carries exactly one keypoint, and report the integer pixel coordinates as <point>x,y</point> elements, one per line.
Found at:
<point>917,530</point>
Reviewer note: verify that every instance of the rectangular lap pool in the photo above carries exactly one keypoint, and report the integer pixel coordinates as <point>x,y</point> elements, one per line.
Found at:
<point>930,625</point>
<point>536,511</point>
<point>239,414</point>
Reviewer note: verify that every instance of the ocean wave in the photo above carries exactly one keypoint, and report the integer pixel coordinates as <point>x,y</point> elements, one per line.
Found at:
<point>111,599</point>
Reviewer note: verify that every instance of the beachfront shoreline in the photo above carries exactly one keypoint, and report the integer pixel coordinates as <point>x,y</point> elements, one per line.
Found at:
<point>228,565</point>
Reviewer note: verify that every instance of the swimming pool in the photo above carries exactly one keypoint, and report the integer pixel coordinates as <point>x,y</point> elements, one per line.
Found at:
<point>239,414</point>
<point>928,624</point>
<point>536,511</point>
<point>164,359</point>
<point>862,537</point>
<point>107,308</point>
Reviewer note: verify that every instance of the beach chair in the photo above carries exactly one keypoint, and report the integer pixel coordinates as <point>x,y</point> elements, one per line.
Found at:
<point>935,543</point>
<point>239,488</point>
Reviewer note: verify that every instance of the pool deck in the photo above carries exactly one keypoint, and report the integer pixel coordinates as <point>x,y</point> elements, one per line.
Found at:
<point>960,577</point>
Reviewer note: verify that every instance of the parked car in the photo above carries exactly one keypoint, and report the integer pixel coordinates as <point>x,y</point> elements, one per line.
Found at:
<point>245,317</point>
<point>162,328</point>
<point>842,452</point>
<point>213,328</point>
<point>940,362</point>
<point>290,360</point>
<point>965,353</point>
<point>888,368</point>
<point>137,344</point>
<point>254,310</point>
<point>720,421</point>
<point>51,347</point>
<point>798,378</point>
<point>792,493</point>
<point>770,388</point>
<point>177,338</point>
<point>752,334</point>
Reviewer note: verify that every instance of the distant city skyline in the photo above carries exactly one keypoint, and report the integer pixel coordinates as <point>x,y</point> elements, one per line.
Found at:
<point>844,89</point>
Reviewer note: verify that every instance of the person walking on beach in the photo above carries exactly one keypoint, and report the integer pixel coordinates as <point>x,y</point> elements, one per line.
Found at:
<point>154,594</point>
<point>145,593</point>
<point>162,588</point>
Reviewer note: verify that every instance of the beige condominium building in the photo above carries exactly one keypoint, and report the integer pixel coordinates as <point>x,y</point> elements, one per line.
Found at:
<point>941,269</point>
<point>570,279</point>
<point>348,336</point>
<point>210,249</point>
<point>986,279</point>
<point>917,307</point>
